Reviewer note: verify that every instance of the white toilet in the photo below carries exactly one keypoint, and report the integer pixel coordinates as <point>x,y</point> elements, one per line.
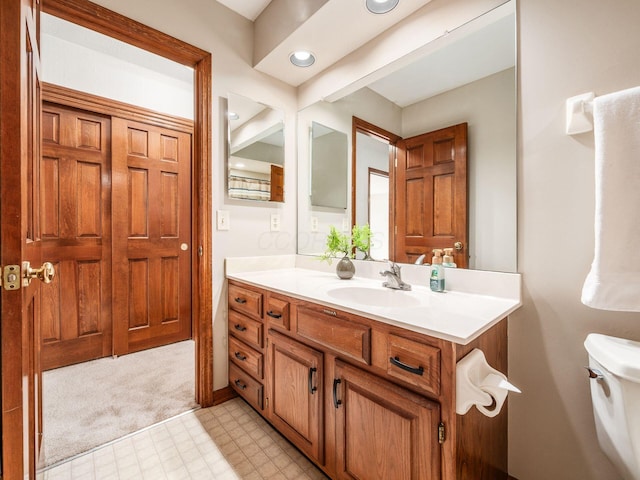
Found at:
<point>614,368</point>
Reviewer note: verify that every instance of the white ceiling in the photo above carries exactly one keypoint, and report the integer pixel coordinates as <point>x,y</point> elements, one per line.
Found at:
<point>247,8</point>
<point>471,53</point>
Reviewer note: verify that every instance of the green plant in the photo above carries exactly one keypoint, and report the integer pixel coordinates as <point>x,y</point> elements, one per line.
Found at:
<point>361,238</point>
<point>337,243</point>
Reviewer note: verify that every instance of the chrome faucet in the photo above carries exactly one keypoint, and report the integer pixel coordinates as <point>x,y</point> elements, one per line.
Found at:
<point>394,279</point>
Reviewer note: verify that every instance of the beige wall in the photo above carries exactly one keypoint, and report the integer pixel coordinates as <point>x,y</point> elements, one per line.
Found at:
<point>566,48</point>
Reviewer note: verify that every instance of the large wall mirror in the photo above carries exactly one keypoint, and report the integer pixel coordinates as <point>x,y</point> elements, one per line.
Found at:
<point>255,169</point>
<point>469,78</point>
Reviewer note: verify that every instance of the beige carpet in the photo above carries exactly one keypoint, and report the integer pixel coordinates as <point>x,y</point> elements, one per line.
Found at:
<point>89,404</point>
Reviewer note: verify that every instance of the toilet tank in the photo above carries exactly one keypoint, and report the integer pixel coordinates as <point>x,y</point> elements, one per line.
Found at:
<point>616,400</point>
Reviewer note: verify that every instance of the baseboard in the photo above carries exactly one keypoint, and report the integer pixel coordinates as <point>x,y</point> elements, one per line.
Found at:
<point>223,395</point>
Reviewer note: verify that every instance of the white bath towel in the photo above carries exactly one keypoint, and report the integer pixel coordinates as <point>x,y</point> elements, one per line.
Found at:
<point>614,280</point>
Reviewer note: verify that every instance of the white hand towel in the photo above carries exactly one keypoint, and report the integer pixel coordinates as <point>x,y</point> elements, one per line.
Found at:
<point>614,280</point>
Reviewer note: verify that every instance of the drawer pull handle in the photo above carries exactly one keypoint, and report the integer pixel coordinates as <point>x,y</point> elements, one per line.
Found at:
<point>274,315</point>
<point>239,327</point>
<point>333,313</point>
<point>240,385</point>
<point>240,300</point>
<point>415,370</point>
<point>336,402</point>
<point>312,387</point>
<point>240,357</point>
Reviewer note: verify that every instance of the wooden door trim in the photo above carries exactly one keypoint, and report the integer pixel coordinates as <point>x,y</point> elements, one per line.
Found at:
<point>107,22</point>
<point>362,126</point>
<point>93,103</point>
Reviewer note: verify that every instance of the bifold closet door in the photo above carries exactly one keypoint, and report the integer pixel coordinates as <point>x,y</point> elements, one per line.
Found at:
<point>151,187</point>
<point>75,213</point>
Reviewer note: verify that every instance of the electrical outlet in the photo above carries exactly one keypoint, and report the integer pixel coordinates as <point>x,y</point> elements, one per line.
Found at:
<point>346,225</point>
<point>314,224</point>
<point>275,222</point>
<point>222,219</point>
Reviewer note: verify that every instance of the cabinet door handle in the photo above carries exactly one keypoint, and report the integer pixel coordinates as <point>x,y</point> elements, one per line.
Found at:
<point>312,388</point>
<point>239,327</point>
<point>240,357</point>
<point>240,300</point>
<point>415,370</point>
<point>274,315</point>
<point>336,402</point>
<point>240,385</point>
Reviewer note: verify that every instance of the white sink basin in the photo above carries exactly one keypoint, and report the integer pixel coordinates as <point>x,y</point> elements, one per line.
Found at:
<point>375,297</point>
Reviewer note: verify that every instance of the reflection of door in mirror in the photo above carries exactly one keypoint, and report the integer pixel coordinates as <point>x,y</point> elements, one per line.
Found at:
<point>431,194</point>
<point>426,206</point>
<point>373,151</point>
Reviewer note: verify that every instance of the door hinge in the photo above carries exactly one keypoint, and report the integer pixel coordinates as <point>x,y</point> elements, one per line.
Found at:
<point>395,162</point>
<point>441,433</point>
<point>11,278</point>
<point>200,251</point>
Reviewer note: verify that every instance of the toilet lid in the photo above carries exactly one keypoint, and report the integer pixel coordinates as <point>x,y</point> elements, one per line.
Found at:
<point>618,355</point>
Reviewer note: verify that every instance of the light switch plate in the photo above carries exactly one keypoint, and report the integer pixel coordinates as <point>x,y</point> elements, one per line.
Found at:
<point>222,219</point>
<point>314,224</point>
<point>346,226</point>
<point>275,222</point>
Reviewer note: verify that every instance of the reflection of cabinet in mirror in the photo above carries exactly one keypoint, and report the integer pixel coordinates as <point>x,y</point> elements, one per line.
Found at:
<point>329,162</point>
<point>256,151</point>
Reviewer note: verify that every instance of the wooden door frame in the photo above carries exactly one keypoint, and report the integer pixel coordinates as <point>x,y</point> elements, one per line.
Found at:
<point>107,22</point>
<point>362,126</point>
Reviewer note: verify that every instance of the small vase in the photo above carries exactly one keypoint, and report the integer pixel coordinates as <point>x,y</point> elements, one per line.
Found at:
<point>345,268</point>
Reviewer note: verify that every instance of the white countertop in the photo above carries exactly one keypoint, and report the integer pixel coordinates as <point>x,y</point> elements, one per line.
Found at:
<point>457,316</point>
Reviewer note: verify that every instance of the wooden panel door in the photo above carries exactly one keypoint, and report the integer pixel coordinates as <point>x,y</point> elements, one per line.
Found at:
<point>75,173</point>
<point>151,218</point>
<point>431,194</point>
<point>277,184</point>
<point>294,393</point>
<point>20,302</point>
<point>399,428</point>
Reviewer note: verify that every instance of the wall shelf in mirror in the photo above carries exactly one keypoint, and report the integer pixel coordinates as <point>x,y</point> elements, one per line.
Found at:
<point>255,167</point>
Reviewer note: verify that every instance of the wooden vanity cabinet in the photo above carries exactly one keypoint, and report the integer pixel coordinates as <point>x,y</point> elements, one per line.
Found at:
<point>295,393</point>
<point>246,343</point>
<point>383,431</point>
<point>361,398</point>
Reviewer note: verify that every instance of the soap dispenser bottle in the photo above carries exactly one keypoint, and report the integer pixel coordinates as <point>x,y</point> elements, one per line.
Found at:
<point>447,260</point>
<point>436,281</point>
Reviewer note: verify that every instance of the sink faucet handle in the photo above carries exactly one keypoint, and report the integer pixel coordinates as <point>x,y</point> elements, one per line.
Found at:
<point>394,267</point>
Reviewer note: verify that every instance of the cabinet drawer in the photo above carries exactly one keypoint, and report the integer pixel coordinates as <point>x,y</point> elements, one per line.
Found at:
<point>414,363</point>
<point>329,328</point>
<point>245,301</point>
<point>248,330</point>
<point>246,358</point>
<point>276,312</point>
<point>247,387</point>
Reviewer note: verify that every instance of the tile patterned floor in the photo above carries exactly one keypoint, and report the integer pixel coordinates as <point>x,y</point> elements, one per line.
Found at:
<point>226,442</point>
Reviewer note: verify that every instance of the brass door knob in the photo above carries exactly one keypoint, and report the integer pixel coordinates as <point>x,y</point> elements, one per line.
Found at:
<point>45,273</point>
<point>458,246</point>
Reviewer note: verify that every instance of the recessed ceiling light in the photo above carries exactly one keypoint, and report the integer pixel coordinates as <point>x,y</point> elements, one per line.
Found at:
<point>233,116</point>
<point>381,6</point>
<point>302,58</point>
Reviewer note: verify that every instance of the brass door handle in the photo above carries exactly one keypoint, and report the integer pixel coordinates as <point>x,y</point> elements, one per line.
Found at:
<point>45,273</point>
<point>458,246</point>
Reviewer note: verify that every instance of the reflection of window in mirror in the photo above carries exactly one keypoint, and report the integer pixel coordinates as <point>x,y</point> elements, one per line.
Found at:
<point>256,151</point>
<point>379,213</point>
